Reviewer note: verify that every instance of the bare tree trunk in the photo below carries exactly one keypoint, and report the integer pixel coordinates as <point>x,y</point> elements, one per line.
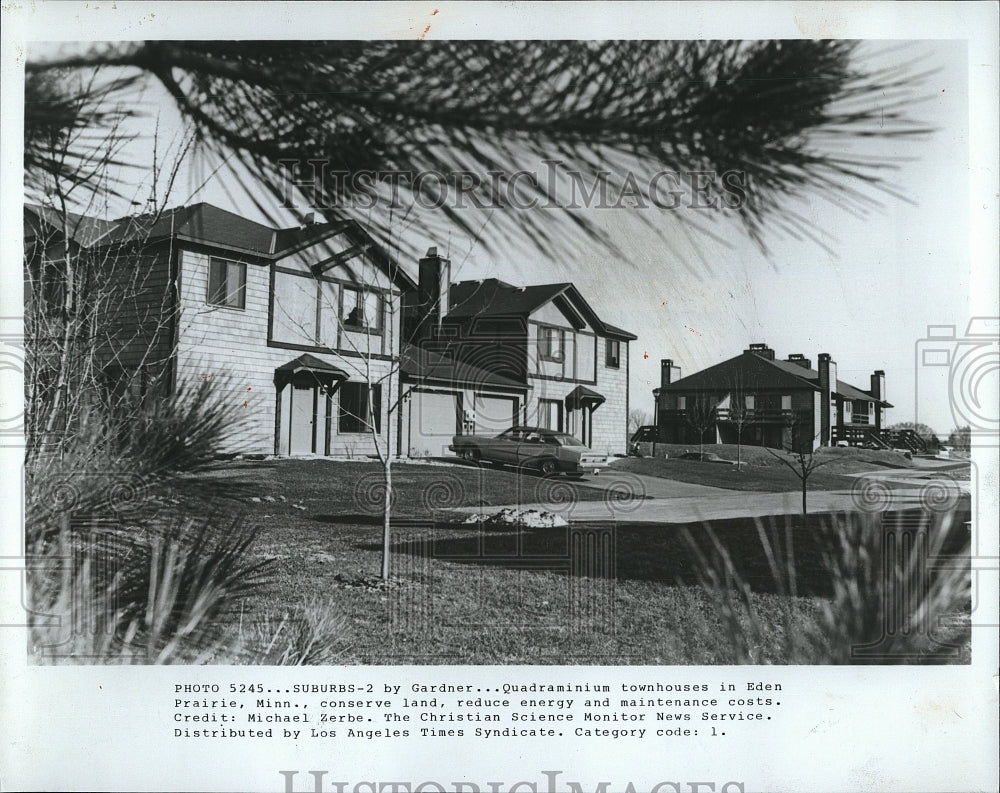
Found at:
<point>386,514</point>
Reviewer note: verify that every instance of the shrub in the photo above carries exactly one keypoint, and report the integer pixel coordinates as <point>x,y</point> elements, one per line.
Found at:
<point>165,594</point>
<point>127,565</point>
<point>895,589</point>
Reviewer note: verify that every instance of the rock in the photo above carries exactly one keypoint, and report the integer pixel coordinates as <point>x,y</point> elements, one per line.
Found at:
<point>529,518</point>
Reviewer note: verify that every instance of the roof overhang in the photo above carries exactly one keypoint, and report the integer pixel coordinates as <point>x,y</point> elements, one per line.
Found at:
<point>581,396</point>
<point>307,365</point>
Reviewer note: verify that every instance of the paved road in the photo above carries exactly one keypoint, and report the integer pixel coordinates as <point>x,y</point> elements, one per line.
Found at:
<point>646,499</point>
<point>728,504</point>
<point>648,486</point>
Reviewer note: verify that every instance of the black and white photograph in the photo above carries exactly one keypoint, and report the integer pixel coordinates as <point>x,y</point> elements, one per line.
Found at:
<point>461,392</point>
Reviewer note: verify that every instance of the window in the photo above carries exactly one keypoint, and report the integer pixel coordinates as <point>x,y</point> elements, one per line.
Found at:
<point>786,401</point>
<point>354,408</point>
<point>750,402</point>
<point>682,402</point>
<point>227,283</point>
<point>362,310</point>
<point>550,414</point>
<point>293,309</point>
<point>613,352</point>
<point>550,343</point>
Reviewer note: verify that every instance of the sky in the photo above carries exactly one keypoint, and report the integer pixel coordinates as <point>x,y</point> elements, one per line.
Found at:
<point>868,300</point>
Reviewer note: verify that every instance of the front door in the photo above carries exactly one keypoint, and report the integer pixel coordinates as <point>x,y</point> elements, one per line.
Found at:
<point>303,415</point>
<point>581,421</point>
<point>550,416</point>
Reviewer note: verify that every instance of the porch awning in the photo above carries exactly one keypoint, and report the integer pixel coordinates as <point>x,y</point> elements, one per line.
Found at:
<point>322,371</point>
<point>581,396</point>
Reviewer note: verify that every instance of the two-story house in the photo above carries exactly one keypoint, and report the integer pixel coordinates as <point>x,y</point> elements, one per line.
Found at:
<point>486,355</point>
<point>298,324</point>
<point>756,399</point>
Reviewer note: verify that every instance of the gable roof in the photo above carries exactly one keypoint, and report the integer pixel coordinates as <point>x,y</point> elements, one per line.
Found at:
<point>207,224</point>
<point>845,390</point>
<point>81,229</point>
<point>746,367</point>
<point>581,395</point>
<point>199,223</point>
<point>310,363</point>
<point>618,333</point>
<point>492,297</point>
<point>776,374</point>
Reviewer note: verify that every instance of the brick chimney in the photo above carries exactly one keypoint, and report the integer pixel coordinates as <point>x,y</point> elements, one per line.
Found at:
<point>799,360</point>
<point>433,284</point>
<point>668,372</point>
<point>762,350</point>
<point>878,392</point>
<point>827,386</point>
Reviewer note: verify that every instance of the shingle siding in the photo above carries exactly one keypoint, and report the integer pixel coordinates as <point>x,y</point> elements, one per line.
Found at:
<point>231,345</point>
<point>611,419</point>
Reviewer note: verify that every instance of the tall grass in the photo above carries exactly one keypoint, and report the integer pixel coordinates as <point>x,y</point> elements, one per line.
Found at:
<point>163,594</point>
<point>309,634</point>
<point>130,562</point>
<point>878,589</point>
<point>121,459</point>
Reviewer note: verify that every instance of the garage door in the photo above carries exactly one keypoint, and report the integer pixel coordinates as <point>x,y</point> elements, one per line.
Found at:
<point>433,422</point>
<point>495,414</point>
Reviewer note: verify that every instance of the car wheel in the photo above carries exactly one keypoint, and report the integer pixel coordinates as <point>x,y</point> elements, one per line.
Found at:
<point>547,467</point>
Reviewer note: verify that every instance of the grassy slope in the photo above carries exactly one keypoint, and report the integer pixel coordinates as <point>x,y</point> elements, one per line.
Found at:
<point>761,469</point>
<point>844,460</point>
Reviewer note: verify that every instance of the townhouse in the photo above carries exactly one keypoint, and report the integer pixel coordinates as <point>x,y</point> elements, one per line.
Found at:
<point>296,324</point>
<point>325,345</point>
<point>492,354</point>
<point>756,399</point>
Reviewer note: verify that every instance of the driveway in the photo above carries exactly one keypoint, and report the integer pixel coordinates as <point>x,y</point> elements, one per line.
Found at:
<point>648,486</point>
<point>645,499</point>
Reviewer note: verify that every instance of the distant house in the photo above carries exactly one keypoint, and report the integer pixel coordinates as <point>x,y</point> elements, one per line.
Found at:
<point>488,354</point>
<point>760,400</point>
<point>295,321</point>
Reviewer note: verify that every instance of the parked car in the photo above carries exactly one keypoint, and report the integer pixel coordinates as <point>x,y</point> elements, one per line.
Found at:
<point>547,451</point>
<point>646,434</point>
